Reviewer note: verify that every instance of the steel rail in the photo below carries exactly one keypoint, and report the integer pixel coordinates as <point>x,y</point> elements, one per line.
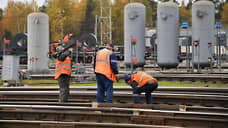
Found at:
<point>119,97</point>
<point>176,90</point>
<point>213,78</point>
<point>129,105</point>
<point>61,124</point>
<point>113,115</point>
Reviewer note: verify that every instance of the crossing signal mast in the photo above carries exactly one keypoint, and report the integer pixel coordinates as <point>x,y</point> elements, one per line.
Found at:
<point>106,22</point>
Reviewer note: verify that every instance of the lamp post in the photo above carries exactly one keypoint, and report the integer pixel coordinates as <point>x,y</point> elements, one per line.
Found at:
<point>4,47</point>
<point>218,26</point>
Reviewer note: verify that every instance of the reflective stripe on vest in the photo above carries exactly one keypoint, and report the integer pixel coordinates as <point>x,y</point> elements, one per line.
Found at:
<point>106,58</point>
<point>144,74</point>
<point>102,65</point>
<point>63,67</point>
<point>142,78</point>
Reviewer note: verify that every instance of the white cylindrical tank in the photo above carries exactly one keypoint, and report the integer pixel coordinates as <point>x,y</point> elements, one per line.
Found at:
<point>38,42</point>
<point>203,19</point>
<point>134,30</point>
<point>10,68</point>
<point>167,34</point>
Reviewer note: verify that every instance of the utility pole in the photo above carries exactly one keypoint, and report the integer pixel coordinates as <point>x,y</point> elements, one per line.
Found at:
<point>106,22</point>
<point>62,12</point>
<point>95,29</point>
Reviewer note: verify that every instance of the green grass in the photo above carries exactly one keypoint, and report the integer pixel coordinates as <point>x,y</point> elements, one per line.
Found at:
<point>189,84</point>
<point>45,83</point>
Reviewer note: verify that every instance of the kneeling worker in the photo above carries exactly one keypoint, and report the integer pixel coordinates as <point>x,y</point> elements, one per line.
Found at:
<point>142,82</point>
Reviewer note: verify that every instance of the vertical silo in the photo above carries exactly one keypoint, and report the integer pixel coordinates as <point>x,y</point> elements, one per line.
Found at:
<point>134,31</point>
<point>203,19</point>
<point>38,42</point>
<point>167,34</point>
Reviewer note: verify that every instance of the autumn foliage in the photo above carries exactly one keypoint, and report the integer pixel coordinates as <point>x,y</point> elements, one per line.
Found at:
<point>78,17</point>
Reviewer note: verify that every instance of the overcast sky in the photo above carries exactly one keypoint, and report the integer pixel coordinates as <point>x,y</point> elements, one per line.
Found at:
<point>3,3</point>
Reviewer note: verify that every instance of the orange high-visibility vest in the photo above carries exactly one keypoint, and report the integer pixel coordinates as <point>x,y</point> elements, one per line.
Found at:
<point>63,67</point>
<point>143,78</point>
<point>103,66</point>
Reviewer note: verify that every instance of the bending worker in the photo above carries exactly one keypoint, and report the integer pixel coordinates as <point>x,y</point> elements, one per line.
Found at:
<point>142,82</point>
<point>105,67</point>
<point>63,72</point>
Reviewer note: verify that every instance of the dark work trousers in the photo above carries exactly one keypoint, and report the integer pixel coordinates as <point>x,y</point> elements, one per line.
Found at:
<point>148,89</point>
<point>104,85</point>
<point>64,83</point>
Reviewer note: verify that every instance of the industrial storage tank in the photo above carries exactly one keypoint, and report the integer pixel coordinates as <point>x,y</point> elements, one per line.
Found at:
<point>167,34</point>
<point>38,42</point>
<point>134,32</point>
<point>203,19</point>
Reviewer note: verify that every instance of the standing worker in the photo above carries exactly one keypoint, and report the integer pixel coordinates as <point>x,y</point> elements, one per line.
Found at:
<point>142,82</point>
<point>105,67</point>
<point>63,72</point>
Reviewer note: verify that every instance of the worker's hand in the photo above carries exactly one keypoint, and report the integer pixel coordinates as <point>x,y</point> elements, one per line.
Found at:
<point>56,54</point>
<point>134,84</point>
<point>118,63</point>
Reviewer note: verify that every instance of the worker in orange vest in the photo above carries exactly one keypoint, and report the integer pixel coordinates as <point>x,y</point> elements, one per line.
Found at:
<point>105,68</point>
<point>142,82</point>
<point>67,38</point>
<point>63,72</point>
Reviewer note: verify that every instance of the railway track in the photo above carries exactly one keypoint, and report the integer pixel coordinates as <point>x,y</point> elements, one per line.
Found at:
<point>173,90</point>
<point>113,115</point>
<point>207,78</point>
<point>172,107</point>
<point>62,124</point>
<point>119,97</point>
<point>129,105</point>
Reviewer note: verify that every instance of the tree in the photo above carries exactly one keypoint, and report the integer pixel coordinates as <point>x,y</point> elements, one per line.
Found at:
<point>43,8</point>
<point>70,12</point>
<point>97,8</point>
<point>189,5</point>
<point>149,11</point>
<point>153,5</point>
<point>118,21</point>
<point>74,17</point>
<point>185,15</point>
<point>87,25</point>
<point>218,8</point>
<point>175,1</point>
<point>1,26</point>
<point>224,19</point>
<point>54,13</point>
<point>118,18</point>
<point>1,13</point>
<point>15,16</point>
